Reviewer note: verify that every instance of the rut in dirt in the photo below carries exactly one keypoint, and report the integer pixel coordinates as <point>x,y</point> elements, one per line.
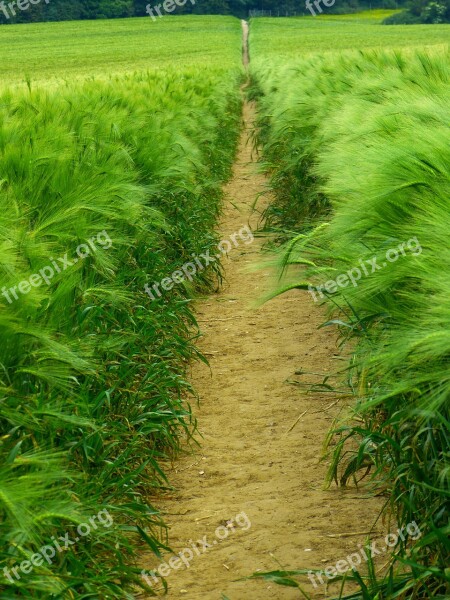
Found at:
<point>252,498</point>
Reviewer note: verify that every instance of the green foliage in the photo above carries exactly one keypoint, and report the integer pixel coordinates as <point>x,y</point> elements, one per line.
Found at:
<point>287,157</point>
<point>288,38</point>
<point>32,52</point>
<point>94,393</point>
<point>403,17</point>
<point>422,11</point>
<point>362,138</point>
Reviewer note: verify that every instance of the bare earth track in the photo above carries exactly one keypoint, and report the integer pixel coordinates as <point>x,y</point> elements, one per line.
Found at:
<point>249,460</point>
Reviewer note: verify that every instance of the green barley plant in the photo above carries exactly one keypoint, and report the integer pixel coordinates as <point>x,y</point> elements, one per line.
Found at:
<point>357,145</point>
<point>94,388</point>
<point>275,45</point>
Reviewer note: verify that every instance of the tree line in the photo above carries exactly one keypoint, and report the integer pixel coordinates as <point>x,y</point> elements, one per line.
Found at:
<point>67,10</point>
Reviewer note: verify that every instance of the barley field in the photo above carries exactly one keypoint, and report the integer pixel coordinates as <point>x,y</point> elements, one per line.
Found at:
<point>357,146</point>
<point>289,38</point>
<point>108,183</point>
<point>117,138</point>
<point>51,52</point>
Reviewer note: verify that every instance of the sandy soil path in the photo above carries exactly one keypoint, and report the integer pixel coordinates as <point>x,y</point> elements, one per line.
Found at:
<point>253,480</point>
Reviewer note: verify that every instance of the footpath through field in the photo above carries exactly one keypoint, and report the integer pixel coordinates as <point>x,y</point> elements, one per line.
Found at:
<point>257,482</point>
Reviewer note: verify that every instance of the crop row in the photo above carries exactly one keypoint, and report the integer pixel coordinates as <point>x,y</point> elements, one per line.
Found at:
<point>105,186</point>
<point>357,148</point>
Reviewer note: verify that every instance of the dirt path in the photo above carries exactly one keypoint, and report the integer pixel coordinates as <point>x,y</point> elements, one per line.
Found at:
<point>245,46</point>
<point>249,461</point>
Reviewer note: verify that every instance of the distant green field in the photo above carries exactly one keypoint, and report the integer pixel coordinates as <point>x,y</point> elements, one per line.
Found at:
<point>326,33</point>
<point>72,49</point>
